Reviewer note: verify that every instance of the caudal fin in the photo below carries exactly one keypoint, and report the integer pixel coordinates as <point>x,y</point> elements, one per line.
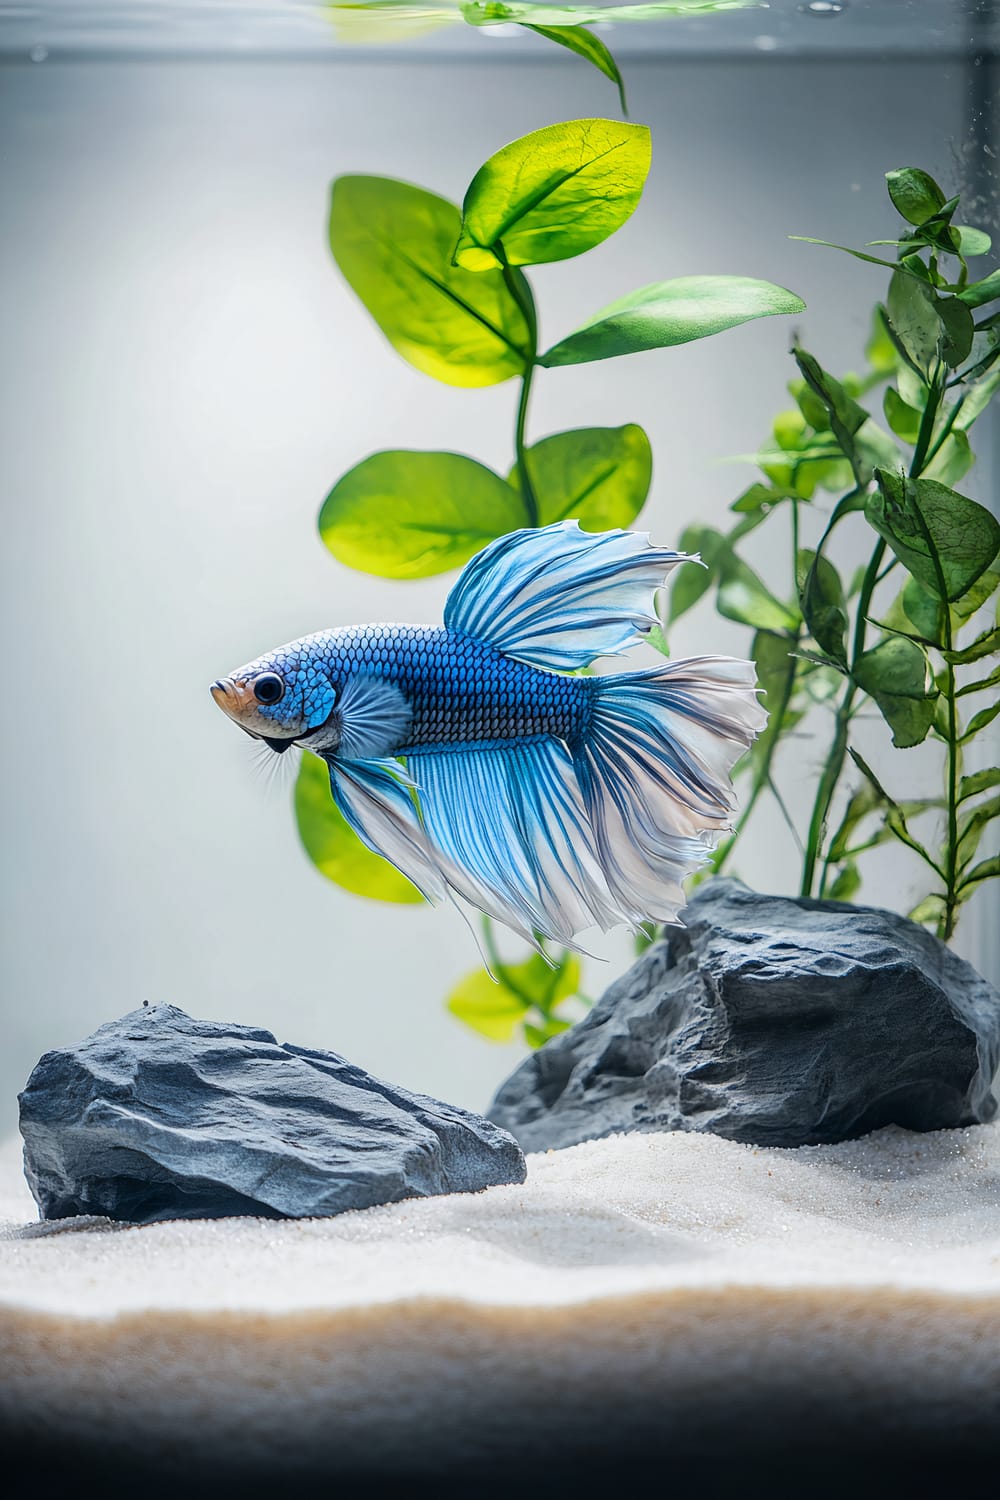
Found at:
<point>654,770</point>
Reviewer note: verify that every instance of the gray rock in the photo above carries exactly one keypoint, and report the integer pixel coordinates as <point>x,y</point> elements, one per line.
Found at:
<point>775,1021</point>
<point>159,1116</point>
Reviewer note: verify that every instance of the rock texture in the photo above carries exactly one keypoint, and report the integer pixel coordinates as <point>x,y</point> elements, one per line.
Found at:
<point>774,1021</point>
<point>160,1116</point>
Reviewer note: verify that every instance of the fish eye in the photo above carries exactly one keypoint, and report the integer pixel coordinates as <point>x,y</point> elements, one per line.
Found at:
<point>269,688</point>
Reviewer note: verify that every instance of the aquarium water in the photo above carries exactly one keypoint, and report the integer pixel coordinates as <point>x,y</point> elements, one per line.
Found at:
<point>185,375</point>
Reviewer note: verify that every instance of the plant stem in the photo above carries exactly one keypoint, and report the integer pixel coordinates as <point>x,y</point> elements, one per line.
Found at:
<point>520,451</point>
<point>838,752</point>
<point>777,718</point>
<point>521,292</point>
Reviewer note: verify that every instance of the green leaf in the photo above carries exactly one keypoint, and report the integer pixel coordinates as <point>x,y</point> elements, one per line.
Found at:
<point>959,330</point>
<point>987,869</point>
<point>744,597</point>
<point>757,497</point>
<point>656,637</point>
<point>981,685</point>
<point>983,588</point>
<point>979,781</point>
<point>972,241</point>
<point>895,674</point>
<point>845,415</point>
<point>914,320</point>
<point>821,596</point>
<point>690,583</point>
<point>498,13</point>
<point>537,1036</point>
<point>335,848</point>
<point>944,539</point>
<point>487,1006</point>
<point>904,420</point>
<point>873,260</point>
<point>776,669</point>
<point>598,476</point>
<point>672,312</point>
<point>862,804</point>
<point>952,461</point>
<point>971,827</point>
<point>553,194</point>
<point>923,610</point>
<point>880,351</point>
<point>984,645</point>
<point>981,292</point>
<point>847,883</point>
<point>393,243</point>
<point>976,399</point>
<point>927,910</point>
<point>980,721</point>
<point>915,194</point>
<point>403,514</point>
<point>588,46</point>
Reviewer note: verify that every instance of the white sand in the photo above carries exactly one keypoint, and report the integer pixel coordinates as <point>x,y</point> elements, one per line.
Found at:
<point>645,1272</point>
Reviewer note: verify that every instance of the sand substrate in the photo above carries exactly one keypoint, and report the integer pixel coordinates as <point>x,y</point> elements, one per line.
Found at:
<point>671,1304</point>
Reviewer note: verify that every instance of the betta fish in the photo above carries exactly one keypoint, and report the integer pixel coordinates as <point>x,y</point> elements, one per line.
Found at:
<point>477,759</point>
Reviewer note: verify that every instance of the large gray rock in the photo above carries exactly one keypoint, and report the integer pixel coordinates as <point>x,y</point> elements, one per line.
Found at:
<point>159,1116</point>
<point>775,1021</point>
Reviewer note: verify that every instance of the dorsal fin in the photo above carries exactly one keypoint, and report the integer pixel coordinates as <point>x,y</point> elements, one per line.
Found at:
<point>559,597</point>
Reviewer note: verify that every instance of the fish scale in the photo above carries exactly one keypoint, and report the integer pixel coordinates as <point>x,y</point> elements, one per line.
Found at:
<point>552,801</point>
<point>460,689</point>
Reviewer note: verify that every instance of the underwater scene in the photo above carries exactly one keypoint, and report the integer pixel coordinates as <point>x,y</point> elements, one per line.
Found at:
<point>502,826</point>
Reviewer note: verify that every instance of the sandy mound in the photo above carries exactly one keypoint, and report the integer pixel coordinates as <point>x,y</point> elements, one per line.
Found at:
<point>665,1290</point>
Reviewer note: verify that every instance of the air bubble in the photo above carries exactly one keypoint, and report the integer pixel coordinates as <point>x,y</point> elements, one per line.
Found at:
<point>38,54</point>
<point>824,7</point>
<point>766,43</point>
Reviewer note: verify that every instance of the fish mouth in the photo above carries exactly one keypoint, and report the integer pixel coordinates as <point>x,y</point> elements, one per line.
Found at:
<point>234,698</point>
<point>228,696</point>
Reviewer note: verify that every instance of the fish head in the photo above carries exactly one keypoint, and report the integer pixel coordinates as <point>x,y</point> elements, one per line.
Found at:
<point>279,698</point>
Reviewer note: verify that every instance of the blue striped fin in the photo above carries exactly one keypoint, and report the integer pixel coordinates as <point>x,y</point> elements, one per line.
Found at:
<point>559,597</point>
<point>509,822</point>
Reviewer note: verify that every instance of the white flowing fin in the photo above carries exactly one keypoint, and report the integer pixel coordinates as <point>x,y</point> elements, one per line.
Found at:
<point>559,597</point>
<point>373,718</point>
<point>376,798</point>
<point>509,824</point>
<point>654,768</point>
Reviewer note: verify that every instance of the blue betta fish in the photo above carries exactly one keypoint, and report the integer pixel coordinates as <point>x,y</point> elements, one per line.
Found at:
<point>467,756</point>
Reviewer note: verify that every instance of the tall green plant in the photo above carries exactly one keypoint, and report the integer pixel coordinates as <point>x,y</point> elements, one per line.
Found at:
<point>910,634</point>
<point>447,287</point>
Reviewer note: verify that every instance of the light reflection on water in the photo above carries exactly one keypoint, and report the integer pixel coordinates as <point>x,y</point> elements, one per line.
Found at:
<point>50,29</point>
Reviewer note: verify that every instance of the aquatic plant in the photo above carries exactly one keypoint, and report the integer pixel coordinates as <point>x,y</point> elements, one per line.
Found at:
<point>368,21</point>
<point>446,286</point>
<point>909,635</point>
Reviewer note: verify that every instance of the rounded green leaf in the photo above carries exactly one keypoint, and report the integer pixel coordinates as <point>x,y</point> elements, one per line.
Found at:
<point>914,319</point>
<point>903,419</point>
<point>553,193</point>
<point>943,538</point>
<point>404,514</point>
<point>598,476</point>
<point>487,1006</point>
<point>972,241</point>
<point>672,312</point>
<point>335,848</point>
<point>915,194</point>
<point>896,673</point>
<point>394,242</point>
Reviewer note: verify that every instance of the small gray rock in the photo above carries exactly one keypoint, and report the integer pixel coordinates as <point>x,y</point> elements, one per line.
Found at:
<point>774,1021</point>
<point>159,1116</point>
